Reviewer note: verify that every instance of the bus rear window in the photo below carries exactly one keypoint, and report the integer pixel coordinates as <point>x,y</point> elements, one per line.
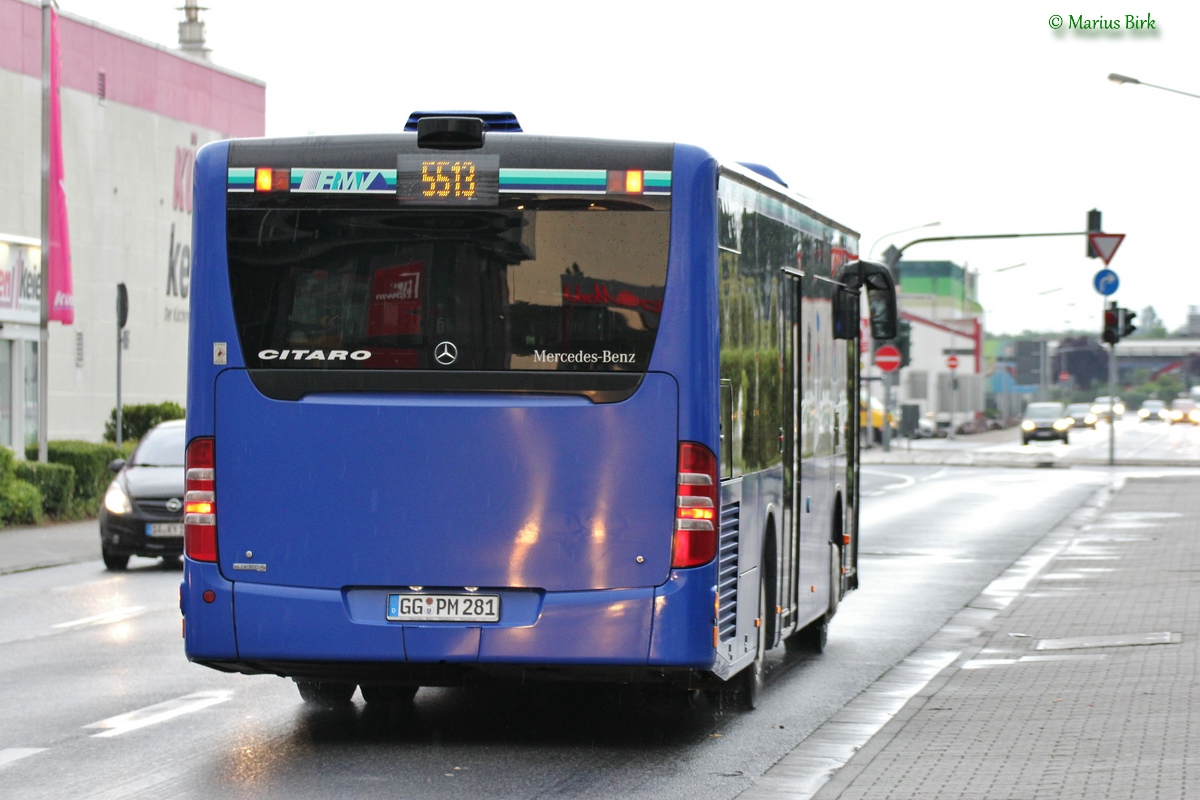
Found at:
<point>566,287</point>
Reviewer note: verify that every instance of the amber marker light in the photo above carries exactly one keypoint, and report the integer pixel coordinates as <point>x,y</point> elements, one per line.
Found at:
<point>262,179</point>
<point>633,181</point>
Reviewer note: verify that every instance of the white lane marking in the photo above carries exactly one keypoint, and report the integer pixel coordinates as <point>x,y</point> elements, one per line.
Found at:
<point>905,480</point>
<point>11,754</point>
<point>159,712</point>
<point>116,615</point>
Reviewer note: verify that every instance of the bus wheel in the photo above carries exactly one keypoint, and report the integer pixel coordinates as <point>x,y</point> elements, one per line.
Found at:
<point>385,697</point>
<point>751,678</point>
<point>814,637</point>
<point>325,693</point>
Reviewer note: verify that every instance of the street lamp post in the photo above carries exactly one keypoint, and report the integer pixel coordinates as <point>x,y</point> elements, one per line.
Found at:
<point>1117,78</point>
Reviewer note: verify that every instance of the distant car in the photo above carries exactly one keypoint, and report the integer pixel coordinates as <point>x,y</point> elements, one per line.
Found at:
<point>1106,408</point>
<point>1152,411</point>
<point>927,428</point>
<point>1081,415</point>
<point>1184,411</point>
<point>142,514</point>
<point>1045,421</point>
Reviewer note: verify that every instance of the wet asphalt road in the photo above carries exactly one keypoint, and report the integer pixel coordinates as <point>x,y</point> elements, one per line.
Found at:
<point>98,700</point>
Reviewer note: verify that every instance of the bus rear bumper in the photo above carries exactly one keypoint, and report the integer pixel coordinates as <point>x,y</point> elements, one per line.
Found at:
<point>302,631</point>
<point>586,628</point>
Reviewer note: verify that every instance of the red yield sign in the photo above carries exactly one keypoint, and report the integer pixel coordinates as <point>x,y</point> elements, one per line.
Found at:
<point>887,358</point>
<point>952,362</point>
<point>1106,244</point>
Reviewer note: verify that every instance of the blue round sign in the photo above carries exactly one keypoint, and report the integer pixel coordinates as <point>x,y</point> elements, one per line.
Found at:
<point>1106,282</point>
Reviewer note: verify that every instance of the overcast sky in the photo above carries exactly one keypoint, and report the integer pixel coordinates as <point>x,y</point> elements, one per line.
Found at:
<point>887,115</point>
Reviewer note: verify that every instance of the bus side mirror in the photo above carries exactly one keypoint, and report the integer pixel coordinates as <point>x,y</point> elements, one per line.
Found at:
<point>881,297</point>
<point>881,300</point>
<point>845,313</point>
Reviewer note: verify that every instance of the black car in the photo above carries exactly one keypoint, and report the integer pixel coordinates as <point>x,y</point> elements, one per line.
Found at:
<point>142,514</point>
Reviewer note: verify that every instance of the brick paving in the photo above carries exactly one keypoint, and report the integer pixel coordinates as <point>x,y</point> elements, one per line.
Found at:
<point>1033,708</point>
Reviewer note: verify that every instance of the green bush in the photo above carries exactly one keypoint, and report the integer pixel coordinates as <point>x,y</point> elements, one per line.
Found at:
<point>7,459</point>
<point>90,462</point>
<point>20,503</point>
<point>56,482</point>
<point>137,419</point>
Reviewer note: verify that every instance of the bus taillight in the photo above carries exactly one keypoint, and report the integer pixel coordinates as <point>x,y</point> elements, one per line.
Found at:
<point>695,540</point>
<point>199,501</point>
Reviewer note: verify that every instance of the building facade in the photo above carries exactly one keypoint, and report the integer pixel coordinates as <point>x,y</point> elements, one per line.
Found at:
<point>134,114</point>
<point>938,299</point>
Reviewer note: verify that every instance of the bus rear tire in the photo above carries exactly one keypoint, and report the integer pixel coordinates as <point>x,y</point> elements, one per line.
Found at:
<point>325,693</point>
<point>813,638</point>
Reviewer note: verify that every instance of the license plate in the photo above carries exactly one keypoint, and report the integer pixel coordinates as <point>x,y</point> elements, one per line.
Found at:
<point>443,607</point>
<point>164,529</point>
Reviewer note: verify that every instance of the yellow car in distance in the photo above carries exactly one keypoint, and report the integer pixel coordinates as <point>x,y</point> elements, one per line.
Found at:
<point>873,408</point>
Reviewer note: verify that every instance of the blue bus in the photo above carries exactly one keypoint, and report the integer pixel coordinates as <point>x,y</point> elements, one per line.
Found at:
<point>466,403</point>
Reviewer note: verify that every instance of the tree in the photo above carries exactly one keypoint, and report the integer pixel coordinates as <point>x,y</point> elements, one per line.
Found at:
<point>1083,358</point>
<point>1150,326</point>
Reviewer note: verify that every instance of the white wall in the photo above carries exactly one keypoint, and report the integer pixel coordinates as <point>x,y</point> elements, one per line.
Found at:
<point>128,181</point>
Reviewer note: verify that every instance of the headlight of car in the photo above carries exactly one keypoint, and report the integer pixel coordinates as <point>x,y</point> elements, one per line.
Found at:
<point>1029,425</point>
<point>116,501</point>
<point>1144,413</point>
<point>1194,416</point>
<point>1119,408</point>
<point>1090,419</point>
<point>1062,424</point>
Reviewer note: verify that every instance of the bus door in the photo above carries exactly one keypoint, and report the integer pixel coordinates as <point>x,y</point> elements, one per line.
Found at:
<point>789,545</point>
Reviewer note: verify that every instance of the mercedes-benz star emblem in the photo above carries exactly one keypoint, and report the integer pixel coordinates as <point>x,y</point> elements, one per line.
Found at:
<point>445,353</point>
<point>174,504</point>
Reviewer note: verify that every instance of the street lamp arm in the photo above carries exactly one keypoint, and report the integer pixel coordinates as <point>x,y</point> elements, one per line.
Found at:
<point>1117,78</point>
<point>922,240</point>
<point>1168,89</point>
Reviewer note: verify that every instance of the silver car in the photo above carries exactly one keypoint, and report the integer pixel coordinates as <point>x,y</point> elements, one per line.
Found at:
<point>1045,421</point>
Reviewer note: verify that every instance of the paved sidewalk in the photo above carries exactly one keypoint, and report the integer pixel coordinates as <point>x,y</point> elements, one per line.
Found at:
<point>49,545</point>
<point>1080,679</point>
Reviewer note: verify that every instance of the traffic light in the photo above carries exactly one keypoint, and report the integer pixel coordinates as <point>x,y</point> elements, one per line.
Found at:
<point>1112,324</point>
<point>1127,326</point>
<point>1093,227</point>
<point>903,340</point>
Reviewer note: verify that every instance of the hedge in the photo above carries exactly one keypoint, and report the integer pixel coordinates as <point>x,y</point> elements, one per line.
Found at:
<point>7,459</point>
<point>90,462</point>
<point>136,420</point>
<point>56,482</point>
<point>20,503</point>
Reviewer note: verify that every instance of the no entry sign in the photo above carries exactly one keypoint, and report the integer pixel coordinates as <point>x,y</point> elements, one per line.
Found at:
<point>887,358</point>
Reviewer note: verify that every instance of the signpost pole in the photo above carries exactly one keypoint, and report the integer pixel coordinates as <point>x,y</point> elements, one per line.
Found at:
<point>888,359</point>
<point>1112,404</point>
<point>122,317</point>
<point>887,407</point>
<point>952,363</point>
<point>1106,283</point>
